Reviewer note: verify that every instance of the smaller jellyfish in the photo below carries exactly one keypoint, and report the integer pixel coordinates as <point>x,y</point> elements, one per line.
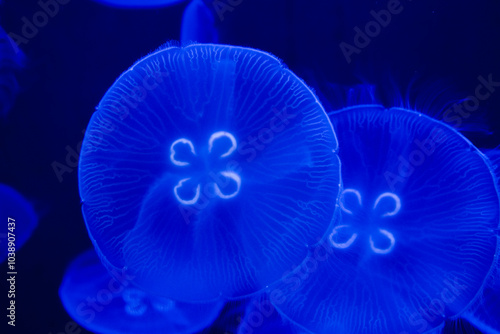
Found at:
<point>198,24</point>
<point>417,235</point>
<point>105,304</point>
<point>11,60</point>
<point>139,3</point>
<point>20,220</point>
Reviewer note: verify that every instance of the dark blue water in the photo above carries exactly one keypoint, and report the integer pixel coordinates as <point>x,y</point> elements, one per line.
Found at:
<point>74,57</point>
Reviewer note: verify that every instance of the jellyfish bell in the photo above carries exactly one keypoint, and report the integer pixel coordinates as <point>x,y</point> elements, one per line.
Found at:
<point>12,60</point>
<point>418,230</point>
<point>20,221</point>
<point>208,171</point>
<point>104,304</point>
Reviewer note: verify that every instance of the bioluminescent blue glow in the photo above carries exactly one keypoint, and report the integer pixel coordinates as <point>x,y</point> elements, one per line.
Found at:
<point>105,304</point>
<point>139,3</point>
<point>20,220</point>
<point>353,211</point>
<point>11,60</point>
<point>417,234</point>
<point>198,24</point>
<point>208,171</point>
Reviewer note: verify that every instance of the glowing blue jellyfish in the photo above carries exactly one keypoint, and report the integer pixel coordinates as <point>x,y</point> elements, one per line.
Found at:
<point>19,222</point>
<point>208,171</point>
<point>105,304</point>
<point>11,60</point>
<point>198,24</point>
<point>417,235</point>
<point>140,3</point>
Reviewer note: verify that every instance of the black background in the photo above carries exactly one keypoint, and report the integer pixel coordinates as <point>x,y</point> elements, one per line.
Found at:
<point>77,55</point>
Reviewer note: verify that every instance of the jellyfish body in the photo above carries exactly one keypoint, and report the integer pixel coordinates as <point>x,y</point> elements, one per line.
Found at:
<point>208,171</point>
<point>198,24</point>
<point>105,304</point>
<point>139,3</point>
<point>419,210</point>
<point>20,221</point>
<point>11,60</point>
<point>260,317</point>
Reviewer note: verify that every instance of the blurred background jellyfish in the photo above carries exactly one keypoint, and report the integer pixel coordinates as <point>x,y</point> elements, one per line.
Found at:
<point>485,312</point>
<point>208,171</point>
<point>12,60</point>
<point>20,220</point>
<point>140,3</point>
<point>417,235</point>
<point>104,304</point>
<point>198,24</point>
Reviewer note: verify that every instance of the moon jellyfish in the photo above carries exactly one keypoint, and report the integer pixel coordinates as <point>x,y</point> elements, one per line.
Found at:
<point>417,235</point>
<point>198,24</point>
<point>19,221</point>
<point>208,171</point>
<point>11,60</point>
<point>139,3</point>
<point>105,304</point>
